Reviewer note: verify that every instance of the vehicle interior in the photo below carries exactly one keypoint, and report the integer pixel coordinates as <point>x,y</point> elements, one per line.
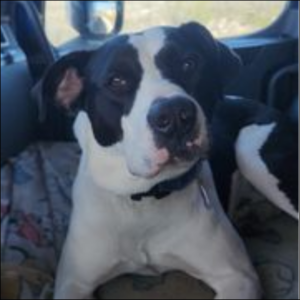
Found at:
<point>39,155</point>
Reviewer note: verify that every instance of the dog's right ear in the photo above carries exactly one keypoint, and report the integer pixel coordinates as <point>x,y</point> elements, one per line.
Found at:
<point>63,84</point>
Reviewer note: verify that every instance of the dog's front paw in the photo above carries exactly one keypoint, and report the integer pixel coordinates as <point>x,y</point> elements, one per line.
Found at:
<point>239,288</point>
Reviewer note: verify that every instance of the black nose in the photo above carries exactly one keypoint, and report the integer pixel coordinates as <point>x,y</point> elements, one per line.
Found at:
<point>173,116</point>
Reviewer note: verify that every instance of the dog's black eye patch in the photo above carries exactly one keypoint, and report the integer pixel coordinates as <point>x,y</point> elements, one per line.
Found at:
<point>113,77</point>
<point>118,83</point>
<point>190,64</point>
<point>180,64</point>
<point>191,59</point>
<point>122,81</point>
<point>117,71</point>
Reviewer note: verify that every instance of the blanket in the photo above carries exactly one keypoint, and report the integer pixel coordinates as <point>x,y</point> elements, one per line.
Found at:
<point>35,210</point>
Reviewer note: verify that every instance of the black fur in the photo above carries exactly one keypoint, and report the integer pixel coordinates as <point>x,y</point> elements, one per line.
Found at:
<point>279,153</point>
<point>214,64</point>
<point>104,106</point>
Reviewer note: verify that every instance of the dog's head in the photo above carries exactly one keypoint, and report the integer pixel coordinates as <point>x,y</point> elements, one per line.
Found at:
<point>144,99</point>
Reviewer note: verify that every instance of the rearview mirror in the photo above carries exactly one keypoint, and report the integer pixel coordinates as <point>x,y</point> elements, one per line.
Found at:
<point>96,19</point>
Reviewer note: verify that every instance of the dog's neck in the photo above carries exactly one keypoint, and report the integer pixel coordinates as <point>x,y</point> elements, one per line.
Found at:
<point>166,188</point>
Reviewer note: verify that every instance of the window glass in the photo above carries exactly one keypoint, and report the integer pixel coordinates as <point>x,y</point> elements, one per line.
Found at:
<point>58,27</point>
<point>223,18</point>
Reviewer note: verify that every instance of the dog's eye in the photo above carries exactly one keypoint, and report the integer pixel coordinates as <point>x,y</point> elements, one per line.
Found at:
<point>118,83</point>
<point>189,65</point>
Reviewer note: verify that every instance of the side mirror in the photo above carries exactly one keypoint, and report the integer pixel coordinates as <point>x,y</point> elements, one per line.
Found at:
<point>96,19</point>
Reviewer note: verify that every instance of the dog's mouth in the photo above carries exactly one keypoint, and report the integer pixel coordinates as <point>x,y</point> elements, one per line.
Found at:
<point>180,157</point>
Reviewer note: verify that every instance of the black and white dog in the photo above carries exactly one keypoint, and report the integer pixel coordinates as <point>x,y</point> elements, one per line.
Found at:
<point>262,144</point>
<point>144,101</point>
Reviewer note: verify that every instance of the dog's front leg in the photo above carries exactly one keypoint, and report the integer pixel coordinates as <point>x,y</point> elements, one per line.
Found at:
<point>212,252</point>
<point>81,270</point>
<point>235,286</point>
<point>221,261</point>
<point>225,269</point>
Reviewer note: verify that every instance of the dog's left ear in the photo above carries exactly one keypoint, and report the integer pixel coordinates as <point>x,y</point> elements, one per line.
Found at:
<point>62,85</point>
<point>228,62</point>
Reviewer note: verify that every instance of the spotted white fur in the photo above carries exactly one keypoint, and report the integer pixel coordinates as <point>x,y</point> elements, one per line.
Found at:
<point>249,143</point>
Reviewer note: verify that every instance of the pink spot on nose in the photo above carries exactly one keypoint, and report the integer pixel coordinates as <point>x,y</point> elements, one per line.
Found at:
<point>197,142</point>
<point>162,156</point>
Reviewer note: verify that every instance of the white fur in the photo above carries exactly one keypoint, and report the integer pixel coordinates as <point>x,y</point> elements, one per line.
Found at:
<point>249,143</point>
<point>111,235</point>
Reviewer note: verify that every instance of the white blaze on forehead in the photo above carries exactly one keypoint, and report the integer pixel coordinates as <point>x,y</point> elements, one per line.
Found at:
<point>153,85</point>
<point>148,44</point>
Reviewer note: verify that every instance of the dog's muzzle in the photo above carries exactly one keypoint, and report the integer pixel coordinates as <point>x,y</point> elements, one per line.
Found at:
<point>175,126</point>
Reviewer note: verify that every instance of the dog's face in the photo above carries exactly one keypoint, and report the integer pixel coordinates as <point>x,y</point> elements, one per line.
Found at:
<point>147,96</point>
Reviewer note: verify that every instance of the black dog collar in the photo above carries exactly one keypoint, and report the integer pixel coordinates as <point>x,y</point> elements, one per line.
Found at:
<point>165,188</point>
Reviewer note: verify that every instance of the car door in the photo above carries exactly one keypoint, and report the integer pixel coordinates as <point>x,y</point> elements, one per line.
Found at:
<point>17,110</point>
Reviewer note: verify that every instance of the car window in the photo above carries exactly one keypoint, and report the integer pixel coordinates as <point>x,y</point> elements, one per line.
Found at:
<point>58,27</point>
<point>223,18</point>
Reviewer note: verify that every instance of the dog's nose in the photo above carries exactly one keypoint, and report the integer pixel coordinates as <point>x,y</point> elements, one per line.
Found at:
<point>173,116</point>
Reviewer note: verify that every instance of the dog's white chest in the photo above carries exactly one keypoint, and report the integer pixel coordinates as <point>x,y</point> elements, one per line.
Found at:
<point>111,235</point>
<point>137,231</point>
